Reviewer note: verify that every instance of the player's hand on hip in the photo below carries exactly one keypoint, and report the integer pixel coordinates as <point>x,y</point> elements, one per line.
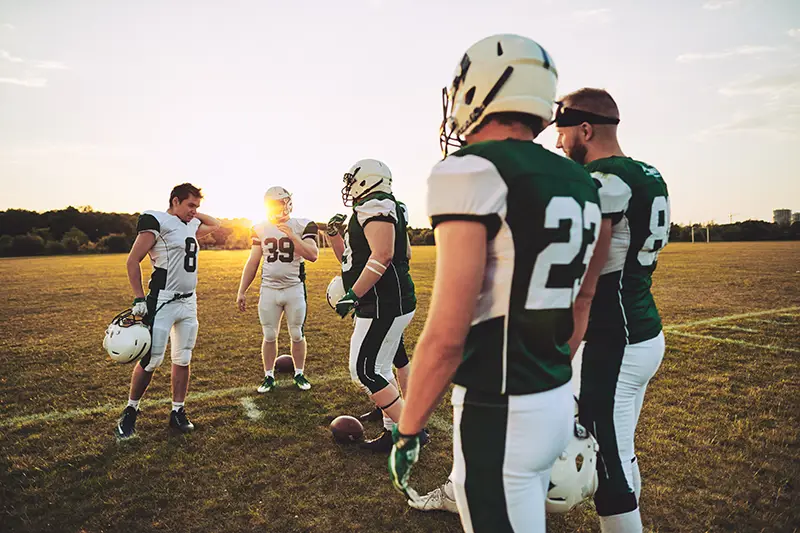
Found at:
<point>402,458</point>
<point>335,224</point>
<point>241,301</point>
<point>139,307</point>
<point>347,303</point>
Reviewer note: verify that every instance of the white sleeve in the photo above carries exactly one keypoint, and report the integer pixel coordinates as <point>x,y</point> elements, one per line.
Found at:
<point>149,222</point>
<point>468,187</point>
<point>384,210</point>
<point>614,193</point>
<point>195,224</point>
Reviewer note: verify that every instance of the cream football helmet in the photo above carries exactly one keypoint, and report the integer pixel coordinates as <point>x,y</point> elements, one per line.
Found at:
<point>365,177</point>
<point>499,74</point>
<point>127,338</point>
<point>278,202</point>
<point>574,475</point>
<point>335,291</point>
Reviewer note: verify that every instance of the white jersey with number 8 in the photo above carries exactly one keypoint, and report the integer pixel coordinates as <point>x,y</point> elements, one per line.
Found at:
<point>174,254</point>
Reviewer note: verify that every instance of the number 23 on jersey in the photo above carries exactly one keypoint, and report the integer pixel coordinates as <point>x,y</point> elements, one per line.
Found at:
<point>561,266</point>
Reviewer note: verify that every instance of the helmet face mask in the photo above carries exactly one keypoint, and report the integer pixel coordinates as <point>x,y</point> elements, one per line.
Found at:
<point>127,338</point>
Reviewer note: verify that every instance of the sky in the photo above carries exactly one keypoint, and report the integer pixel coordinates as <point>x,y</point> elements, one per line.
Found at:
<point>111,103</point>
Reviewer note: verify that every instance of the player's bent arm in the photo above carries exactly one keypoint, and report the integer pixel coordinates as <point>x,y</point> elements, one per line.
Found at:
<point>143,243</point>
<point>250,268</point>
<point>583,303</point>
<point>306,248</point>
<point>380,237</point>
<point>456,287</point>
<point>337,245</point>
<point>208,224</point>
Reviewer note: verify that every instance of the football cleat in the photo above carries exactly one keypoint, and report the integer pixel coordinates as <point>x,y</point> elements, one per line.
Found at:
<point>381,444</point>
<point>373,416</point>
<point>301,382</point>
<point>178,420</point>
<point>267,385</point>
<point>126,425</point>
<point>435,500</point>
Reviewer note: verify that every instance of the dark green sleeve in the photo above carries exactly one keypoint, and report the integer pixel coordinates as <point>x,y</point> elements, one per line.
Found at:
<point>146,223</point>
<point>310,231</point>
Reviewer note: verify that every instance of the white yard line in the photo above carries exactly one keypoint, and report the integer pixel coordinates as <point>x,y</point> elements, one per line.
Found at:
<point>734,328</point>
<point>735,341</point>
<point>729,317</point>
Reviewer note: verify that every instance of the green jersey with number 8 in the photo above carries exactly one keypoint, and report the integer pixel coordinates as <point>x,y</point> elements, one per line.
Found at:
<point>543,217</point>
<point>635,196</point>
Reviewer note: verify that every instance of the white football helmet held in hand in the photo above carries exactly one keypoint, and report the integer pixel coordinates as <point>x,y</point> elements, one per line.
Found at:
<point>574,475</point>
<point>278,202</point>
<point>335,291</point>
<point>127,338</point>
<point>365,177</point>
<point>499,74</point>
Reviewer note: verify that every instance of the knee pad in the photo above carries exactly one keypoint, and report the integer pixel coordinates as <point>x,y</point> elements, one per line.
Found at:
<point>270,333</point>
<point>152,360</point>
<point>182,357</point>
<point>296,332</point>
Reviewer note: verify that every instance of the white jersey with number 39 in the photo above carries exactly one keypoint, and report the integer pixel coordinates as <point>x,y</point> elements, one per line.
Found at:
<point>282,267</point>
<point>174,254</point>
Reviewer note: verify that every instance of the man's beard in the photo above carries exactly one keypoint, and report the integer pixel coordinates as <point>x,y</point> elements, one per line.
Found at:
<point>578,154</point>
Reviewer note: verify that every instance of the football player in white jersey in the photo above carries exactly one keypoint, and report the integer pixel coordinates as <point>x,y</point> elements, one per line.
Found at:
<point>170,308</point>
<point>284,243</point>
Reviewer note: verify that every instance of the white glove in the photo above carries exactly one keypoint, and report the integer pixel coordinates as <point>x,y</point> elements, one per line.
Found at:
<point>139,307</point>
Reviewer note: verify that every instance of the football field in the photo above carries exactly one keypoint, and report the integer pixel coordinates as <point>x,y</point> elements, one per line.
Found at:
<point>718,441</point>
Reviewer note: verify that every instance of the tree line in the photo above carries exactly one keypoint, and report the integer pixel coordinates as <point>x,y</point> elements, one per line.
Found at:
<point>84,230</point>
<point>749,230</point>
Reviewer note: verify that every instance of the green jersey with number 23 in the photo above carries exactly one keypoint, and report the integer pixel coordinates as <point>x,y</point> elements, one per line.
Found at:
<point>542,214</point>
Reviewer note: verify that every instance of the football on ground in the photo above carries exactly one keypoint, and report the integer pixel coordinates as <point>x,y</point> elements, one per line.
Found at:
<point>347,429</point>
<point>284,364</point>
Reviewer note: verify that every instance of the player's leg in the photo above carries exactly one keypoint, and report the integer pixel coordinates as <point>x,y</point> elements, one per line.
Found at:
<point>607,401</point>
<point>269,314</point>
<point>367,342</point>
<point>383,367</point>
<point>402,368</point>
<point>295,321</point>
<point>143,370</point>
<point>504,448</point>
<point>182,339</point>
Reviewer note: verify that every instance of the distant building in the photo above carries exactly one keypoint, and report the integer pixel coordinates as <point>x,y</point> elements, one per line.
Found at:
<point>782,217</point>
<point>795,217</point>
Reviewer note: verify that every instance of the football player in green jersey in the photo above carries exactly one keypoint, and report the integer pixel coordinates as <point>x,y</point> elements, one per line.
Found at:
<point>516,229</point>
<point>374,256</point>
<point>624,341</point>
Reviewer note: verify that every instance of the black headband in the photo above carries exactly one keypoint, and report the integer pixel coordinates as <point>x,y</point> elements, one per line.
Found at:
<point>568,116</point>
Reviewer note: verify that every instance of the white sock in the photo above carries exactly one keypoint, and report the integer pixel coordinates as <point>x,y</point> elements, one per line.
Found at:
<point>630,522</point>
<point>176,406</point>
<point>298,371</point>
<point>134,403</point>
<point>269,374</point>
<point>388,423</point>
<point>637,479</point>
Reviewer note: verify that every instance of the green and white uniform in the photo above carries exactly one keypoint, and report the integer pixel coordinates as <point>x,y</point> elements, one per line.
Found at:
<point>385,310</point>
<point>512,403</point>
<point>624,341</point>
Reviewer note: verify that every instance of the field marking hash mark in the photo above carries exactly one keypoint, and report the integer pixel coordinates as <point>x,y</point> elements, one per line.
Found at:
<point>438,424</point>
<point>251,410</point>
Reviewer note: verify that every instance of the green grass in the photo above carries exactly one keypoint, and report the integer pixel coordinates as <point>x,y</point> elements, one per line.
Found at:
<point>718,440</point>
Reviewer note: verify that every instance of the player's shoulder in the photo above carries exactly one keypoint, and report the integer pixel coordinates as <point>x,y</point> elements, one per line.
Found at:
<point>157,221</point>
<point>259,228</point>
<point>634,173</point>
<point>378,200</point>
